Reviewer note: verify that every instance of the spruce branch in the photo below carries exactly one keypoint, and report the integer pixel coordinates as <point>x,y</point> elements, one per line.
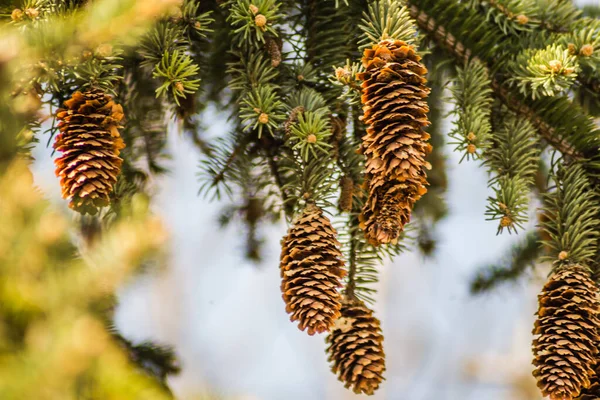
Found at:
<point>473,107</point>
<point>250,72</point>
<point>252,20</point>
<point>387,19</point>
<point>512,160</point>
<point>557,15</point>
<point>463,54</point>
<point>511,16</point>
<point>332,35</point>
<point>262,110</point>
<point>165,37</point>
<point>346,77</point>
<point>544,72</point>
<point>196,24</point>
<point>175,70</point>
<point>219,171</point>
<point>571,218</point>
<point>310,135</point>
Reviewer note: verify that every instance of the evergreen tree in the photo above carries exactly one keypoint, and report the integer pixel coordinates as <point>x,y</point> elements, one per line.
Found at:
<point>335,111</point>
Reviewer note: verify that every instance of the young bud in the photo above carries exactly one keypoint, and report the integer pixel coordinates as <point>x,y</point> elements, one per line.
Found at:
<point>555,65</point>
<point>16,15</point>
<point>586,50</point>
<point>263,118</point>
<point>260,21</point>
<point>32,13</point>
<point>522,19</point>
<point>179,87</point>
<point>506,221</point>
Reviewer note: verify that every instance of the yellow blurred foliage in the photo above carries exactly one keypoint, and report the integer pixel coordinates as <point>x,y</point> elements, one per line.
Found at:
<point>53,344</point>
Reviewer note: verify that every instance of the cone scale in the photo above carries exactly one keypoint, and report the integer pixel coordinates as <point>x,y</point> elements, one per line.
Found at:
<point>395,145</point>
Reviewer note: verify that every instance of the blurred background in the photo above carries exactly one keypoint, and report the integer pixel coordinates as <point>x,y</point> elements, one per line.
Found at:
<point>227,322</point>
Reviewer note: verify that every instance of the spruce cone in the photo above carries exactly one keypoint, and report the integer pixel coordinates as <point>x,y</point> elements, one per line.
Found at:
<point>356,348</point>
<point>90,142</point>
<point>565,350</point>
<point>312,269</point>
<point>395,146</point>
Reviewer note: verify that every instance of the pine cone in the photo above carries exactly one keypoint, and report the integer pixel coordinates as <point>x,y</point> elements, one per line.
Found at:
<point>90,142</point>
<point>565,350</point>
<point>312,269</point>
<point>356,348</point>
<point>395,146</point>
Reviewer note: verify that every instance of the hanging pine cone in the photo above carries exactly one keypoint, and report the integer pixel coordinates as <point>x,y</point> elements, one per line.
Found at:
<point>90,142</point>
<point>355,347</point>
<point>312,269</point>
<point>395,146</point>
<point>565,350</point>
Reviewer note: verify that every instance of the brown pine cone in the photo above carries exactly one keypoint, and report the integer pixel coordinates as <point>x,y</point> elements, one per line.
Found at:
<point>566,349</point>
<point>90,143</point>
<point>312,269</point>
<point>395,146</point>
<point>355,347</point>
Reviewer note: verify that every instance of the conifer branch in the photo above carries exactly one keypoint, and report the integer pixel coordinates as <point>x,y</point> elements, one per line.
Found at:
<point>571,218</point>
<point>473,108</point>
<point>513,162</point>
<point>448,41</point>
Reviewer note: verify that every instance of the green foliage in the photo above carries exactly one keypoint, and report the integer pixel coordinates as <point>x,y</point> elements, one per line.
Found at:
<point>331,37</point>
<point>101,69</point>
<point>196,24</point>
<point>262,109</point>
<point>387,19</point>
<point>252,20</point>
<point>545,72</point>
<point>308,181</point>
<point>511,16</point>
<point>52,342</point>
<point>164,38</point>
<point>249,73</point>
<point>513,162</point>
<point>557,15</point>
<point>346,77</point>
<point>364,260</point>
<point>310,135</point>
<point>472,97</point>
<point>571,218</point>
<point>176,70</point>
